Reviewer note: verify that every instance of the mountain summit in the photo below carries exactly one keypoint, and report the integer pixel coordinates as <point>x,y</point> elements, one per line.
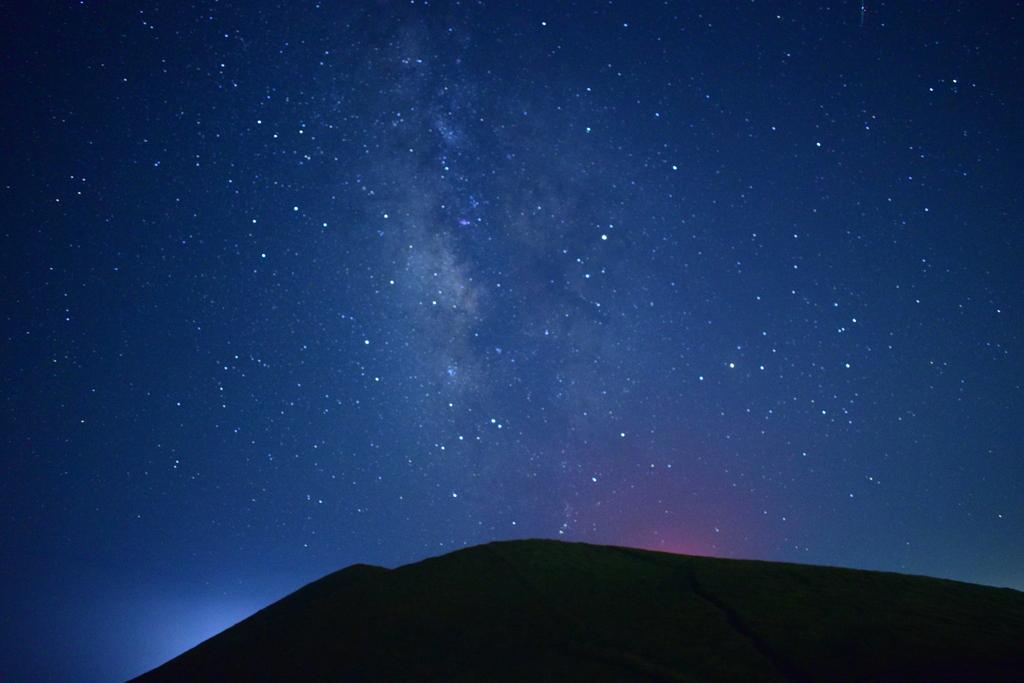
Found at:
<point>552,611</point>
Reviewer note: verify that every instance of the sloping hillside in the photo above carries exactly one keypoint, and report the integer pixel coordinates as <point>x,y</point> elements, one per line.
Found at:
<point>552,611</point>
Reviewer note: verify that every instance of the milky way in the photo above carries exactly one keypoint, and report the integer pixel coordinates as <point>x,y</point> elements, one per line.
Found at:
<point>289,286</point>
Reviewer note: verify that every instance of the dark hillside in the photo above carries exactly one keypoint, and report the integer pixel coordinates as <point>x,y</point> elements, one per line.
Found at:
<point>551,611</point>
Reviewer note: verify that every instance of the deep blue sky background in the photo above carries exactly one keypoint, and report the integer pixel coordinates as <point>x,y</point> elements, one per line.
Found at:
<point>292,285</point>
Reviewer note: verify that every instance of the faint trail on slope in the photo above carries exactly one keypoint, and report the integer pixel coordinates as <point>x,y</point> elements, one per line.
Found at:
<point>630,662</point>
<point>782,665</point>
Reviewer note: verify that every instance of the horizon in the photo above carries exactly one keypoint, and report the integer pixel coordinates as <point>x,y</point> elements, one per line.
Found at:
<point>528,539</point>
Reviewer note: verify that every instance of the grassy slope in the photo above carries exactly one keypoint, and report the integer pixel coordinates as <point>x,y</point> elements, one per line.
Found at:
<point>544,610</point>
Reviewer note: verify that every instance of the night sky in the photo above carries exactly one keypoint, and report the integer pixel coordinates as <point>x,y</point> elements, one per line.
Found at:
<point>292,285</point>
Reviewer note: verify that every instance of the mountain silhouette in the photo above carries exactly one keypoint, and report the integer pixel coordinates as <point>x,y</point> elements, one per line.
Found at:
<point>551,611</point>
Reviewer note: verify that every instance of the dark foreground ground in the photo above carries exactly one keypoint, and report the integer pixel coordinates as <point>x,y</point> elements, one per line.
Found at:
<point>551,611</point>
